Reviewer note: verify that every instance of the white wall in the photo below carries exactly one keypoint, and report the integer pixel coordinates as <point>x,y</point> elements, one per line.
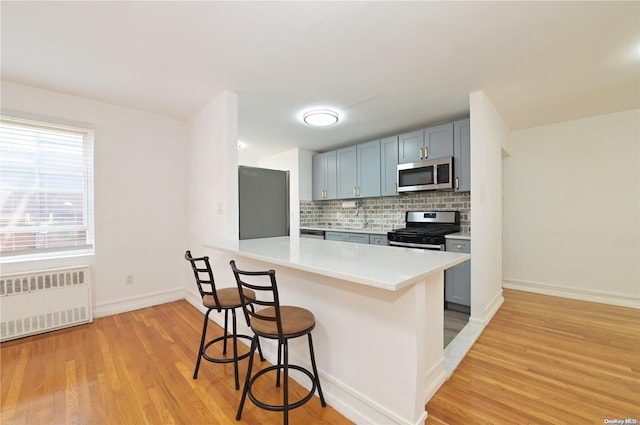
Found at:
<point>212,186</point>
<point>140,200</point>
<point>572,209</point>
<point>489,139</point>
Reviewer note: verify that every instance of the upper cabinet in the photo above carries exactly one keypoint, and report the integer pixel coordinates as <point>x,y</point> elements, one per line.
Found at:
<point>370,169</point>
<point>359,171</point>
<point>389,166</point>
<point>462,155</point>
<point>324,180</point>
<point>438,141</point>
<point>410,147</point>
<point>430,143</point>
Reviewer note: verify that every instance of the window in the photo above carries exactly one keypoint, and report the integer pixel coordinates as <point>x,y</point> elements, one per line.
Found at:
<point>46,189</point>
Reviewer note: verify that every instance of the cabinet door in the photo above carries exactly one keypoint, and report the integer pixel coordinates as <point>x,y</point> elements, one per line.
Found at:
<point>438,141</point>
<point>358,238</point>
<point>368,168</point>
<point>324,176</point>
<point>378,240</point>
<point>318,179</point>
<point>335,236</point>
<point>458,278</point>
<point>410,147</point>
<point>462,155</point>
<point>347,173</point>
<point>389,166</point>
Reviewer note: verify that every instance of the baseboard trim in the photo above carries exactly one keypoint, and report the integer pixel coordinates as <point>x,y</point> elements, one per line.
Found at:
<point>124,305</point>
<point>572,293</point>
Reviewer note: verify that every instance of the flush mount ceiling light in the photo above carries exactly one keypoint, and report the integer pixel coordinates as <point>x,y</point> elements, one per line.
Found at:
<point>320,117</point>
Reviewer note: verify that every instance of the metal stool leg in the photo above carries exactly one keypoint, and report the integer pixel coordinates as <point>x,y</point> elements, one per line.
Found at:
<point>246,382</point>
<point>204,334</point>
<point>315,371</point>
<point>226,320</point>
<point>279,364</point>
<point>235,347</point>
<point>285,404</point>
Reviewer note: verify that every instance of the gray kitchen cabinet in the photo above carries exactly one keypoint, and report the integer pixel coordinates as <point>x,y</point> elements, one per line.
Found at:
<point>364,238</point>
<point>430,143</point>
<point>378,239</point>
<point>347,172</point>
<point>389,166</point>
<point>357,237</point>
<point>410,147</point>
<point>462,155</point>
<point>359,171</point>
<point>457,279</point>
<point>335,236</point>
<point>324,176</point>
<point>438,141</point>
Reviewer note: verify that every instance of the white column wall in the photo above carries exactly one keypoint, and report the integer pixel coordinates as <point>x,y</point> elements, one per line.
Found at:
<point>572,209</point>
<point>140,213</point>
<point>212,185</point>
<point>489,139</point>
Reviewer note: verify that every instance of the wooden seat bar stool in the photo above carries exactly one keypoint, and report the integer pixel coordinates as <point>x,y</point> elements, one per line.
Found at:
<point>280,323</point>
<point>227,300</point>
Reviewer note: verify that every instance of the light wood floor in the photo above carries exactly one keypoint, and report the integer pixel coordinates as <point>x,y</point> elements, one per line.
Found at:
<point>547,360</point>
<point>135,368</point>
<point>542,360</point>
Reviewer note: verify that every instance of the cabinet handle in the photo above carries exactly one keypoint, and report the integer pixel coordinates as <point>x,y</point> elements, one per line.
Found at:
<point>421,152</point>
<point>458,246</point>
<point>457,183</point>
<point>355,191</point>
<point>358,190</point>
<point>426,152</point>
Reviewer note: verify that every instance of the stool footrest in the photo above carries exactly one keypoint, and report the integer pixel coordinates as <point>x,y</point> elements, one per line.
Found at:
<point>223,359</point>
<point>280,407</point>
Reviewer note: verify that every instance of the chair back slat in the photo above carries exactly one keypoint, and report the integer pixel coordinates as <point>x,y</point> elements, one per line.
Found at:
<point>204,277</point>
<point>266,289</point>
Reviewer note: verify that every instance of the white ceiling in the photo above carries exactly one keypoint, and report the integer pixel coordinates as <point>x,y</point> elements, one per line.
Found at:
<point>387,67</point>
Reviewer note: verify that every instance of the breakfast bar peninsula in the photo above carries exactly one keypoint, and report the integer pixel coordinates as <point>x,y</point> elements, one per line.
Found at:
<point>379,319</point>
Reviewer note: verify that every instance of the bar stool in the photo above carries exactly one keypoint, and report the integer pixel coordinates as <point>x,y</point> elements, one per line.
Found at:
<point>225,299</point>
<point>275,322</point>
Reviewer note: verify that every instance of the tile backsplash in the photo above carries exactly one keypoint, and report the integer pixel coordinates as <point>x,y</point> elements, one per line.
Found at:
<point>383,214</point>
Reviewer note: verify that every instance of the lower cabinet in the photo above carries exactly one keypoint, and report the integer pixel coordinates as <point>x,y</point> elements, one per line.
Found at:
<point>356,237</point>
<point>378,240</point>
<point>335,236</point>
<point>457,280</point>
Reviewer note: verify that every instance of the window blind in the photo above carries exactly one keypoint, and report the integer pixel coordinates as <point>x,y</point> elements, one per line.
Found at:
<point>46,188</point>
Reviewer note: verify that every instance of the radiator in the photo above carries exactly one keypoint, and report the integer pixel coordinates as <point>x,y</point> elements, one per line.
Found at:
<point>43,301</point>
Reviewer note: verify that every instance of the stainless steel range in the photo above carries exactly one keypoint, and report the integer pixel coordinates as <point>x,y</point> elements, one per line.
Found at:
<point>425,229</point>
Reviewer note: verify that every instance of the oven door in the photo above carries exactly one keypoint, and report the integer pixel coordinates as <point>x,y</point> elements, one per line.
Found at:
<point>434,247</point>
<point>426,175</point>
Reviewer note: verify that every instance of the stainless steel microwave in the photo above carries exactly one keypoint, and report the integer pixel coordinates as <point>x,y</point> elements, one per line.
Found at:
<point>432,174</point>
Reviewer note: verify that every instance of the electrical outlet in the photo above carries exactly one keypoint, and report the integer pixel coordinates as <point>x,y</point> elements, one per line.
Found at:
<point>129,280</point>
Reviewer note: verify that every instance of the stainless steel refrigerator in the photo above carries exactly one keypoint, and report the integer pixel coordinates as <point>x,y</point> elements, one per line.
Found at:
<point>264,202</point>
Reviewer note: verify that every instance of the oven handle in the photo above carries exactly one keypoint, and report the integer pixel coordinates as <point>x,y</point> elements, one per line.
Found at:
<point>417,245</point>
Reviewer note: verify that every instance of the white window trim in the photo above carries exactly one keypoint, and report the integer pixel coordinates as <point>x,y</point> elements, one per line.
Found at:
<point>66,125</point>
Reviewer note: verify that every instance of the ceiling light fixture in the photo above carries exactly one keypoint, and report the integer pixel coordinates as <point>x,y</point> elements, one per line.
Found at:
<point>320,117</point>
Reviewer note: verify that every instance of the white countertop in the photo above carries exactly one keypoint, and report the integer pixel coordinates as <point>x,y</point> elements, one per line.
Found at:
<point>385,267</point>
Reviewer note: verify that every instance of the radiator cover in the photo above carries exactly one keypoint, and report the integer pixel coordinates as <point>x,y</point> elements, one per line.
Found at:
<point>43,301</point>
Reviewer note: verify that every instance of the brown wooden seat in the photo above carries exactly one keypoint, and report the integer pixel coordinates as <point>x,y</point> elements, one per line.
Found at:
<point>280,323</point>
<point>225,299</point>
